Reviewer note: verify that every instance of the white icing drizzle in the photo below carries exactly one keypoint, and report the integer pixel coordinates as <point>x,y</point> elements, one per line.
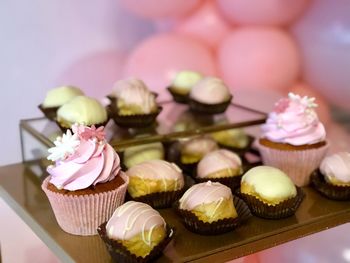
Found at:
<point>133,218</point>
<point>204,193</point>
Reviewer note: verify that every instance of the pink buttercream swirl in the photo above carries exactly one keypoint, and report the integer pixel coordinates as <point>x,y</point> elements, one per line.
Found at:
<point>87,161</point>
<point>294,121</point>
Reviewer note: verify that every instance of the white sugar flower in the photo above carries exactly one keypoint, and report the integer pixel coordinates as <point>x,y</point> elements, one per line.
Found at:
<point>305,101</point>
<point>64,146</point>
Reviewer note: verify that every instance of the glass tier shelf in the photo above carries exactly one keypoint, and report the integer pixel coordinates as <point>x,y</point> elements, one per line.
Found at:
<point>174,122</point>
<point>20,188</point>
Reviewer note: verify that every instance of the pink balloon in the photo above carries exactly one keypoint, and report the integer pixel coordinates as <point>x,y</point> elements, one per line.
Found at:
<point>159,58</point>
<point>206,24</point>
<point>258,12</point>
<point>95,73</point>
<point>322,110</point>
<point>160,8</point>
<point>259,58</point>
<point>324,36</point>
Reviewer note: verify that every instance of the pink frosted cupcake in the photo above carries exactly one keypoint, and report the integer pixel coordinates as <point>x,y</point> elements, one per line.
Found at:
<point>220,166</point>
<point>86,183</point>
<point>294,140</point>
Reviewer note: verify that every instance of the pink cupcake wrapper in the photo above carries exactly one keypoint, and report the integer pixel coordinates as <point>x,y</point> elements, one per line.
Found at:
<point>298,164</point>
<point>81,215</point>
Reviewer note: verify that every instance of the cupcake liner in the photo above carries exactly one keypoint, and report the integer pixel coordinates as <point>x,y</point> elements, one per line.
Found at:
<point>340,193</point>
<point>49,112</point>
<point>134,121</point>
<point>64,129</point>
<point>160,199</point>
<point>179,98</point>
<point>282,210</point>
<point>81,215</point>
<point>232,182</point>
<point>120,253</point>
<point>208,108</point>
<point>193,224</point>
<point>297,164</point>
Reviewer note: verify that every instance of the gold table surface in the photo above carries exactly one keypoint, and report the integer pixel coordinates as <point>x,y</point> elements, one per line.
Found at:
<point>20,188</point>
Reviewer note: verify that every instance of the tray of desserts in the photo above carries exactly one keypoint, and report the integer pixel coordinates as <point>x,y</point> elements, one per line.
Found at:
<point>161,195</point>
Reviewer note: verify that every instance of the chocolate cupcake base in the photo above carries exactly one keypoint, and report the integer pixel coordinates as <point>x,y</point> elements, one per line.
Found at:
<point>340,193</point>
<point>120,253</point>
<point>193,224</point>
<point>161,199</point>
<point>205,108</point>
<point>282,210</point>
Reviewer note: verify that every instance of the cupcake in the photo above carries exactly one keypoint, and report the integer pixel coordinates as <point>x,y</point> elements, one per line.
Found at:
<point>85,185</point>
<point>56,97</point>
<point>220,166</point>
<point>234,139</point>
<point>135,105</point>
<point>209,208</point>
<point>193,150</point>
<point>333,178</point>
<point>270,193</point>
<point>81,110</point>
<point>293,139</point>
<point>137,154</point>
<point>135,233</point>
<point>155,182</point>
<point>182,84</point>
<point>210,95</point>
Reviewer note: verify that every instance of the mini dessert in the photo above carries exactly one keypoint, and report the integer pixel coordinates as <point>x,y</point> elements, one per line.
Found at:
<point>182,84</point>
<point>134,231</point>
<point>141,153</point>
<point>210,95</point>
<point>82,110</point>
<point>336,169</point>
<point>333,178</point>
<point>235,139</point>
<point>221,166</point>
<point>156,182</point>
<point>85,184</point>
<point>55,98</point>
<point>209,208</point>
<point>294,140</point>
<point>209,201</point>
<point>135,105</point>
<point>269,192</point>
<point>193,150</point>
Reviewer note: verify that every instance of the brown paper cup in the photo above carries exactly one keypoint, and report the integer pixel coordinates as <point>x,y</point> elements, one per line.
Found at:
<point>161,199</point>
<point>297,164</point>
<point>233,182</point>
<point>284,209</point>
<point>64,128</point>
<point>192,223</point>
<point>179,98</point>
<point>340,193</point>
<point>134,121</point>
<point>205,108</point>
<point>119,253</point>
<point>81,215</point>
<point>49,112</point>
